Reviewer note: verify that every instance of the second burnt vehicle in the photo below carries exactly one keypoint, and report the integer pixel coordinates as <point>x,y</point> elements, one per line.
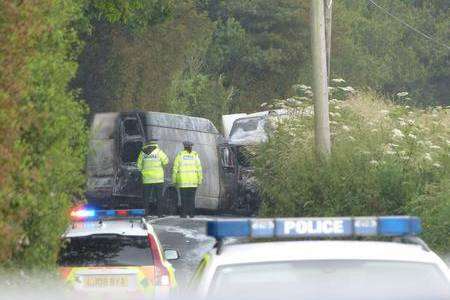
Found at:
<point>243,133</point>
<point>114,180</point>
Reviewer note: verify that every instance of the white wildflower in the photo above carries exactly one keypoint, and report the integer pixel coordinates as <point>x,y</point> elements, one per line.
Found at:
<point>338,80</point>
<point>435,147</point>
<point>391,145</point>
<point>437,165</point>
<point>390,152</point>
<point>293,102</point>
<point>411,121</point>
<point>304,87</point>
<point>427,156</point>
<point>374,162</point>
<point>397,133</point>
<point>402,123</point>
<point>345,128</point>
<point>334,101</point>
<point>333,123</point>
<point>335,114</point>
<point>347,89</point>
<point>412,136</point>
<point>402,94</point>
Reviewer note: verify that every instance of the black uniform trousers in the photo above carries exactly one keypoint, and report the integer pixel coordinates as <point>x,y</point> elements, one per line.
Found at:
<point>187,196</point>
<point>153,195</point>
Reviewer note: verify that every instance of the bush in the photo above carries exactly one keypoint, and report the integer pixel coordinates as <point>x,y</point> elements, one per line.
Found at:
<point>386,160</point>
<point>42,127</point>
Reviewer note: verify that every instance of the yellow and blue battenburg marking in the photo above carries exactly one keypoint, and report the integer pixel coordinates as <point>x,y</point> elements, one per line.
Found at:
<point>315,227</point>
<point>144,275</point>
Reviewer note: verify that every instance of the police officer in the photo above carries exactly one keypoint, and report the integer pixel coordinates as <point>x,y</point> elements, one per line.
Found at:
<point>151,163</point>
<point>187,175</point>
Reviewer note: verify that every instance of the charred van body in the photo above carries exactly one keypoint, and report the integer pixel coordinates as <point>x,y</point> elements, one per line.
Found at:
<point>116,139</point>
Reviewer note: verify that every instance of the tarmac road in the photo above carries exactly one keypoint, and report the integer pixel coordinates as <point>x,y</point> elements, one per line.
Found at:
<point>189,238</point>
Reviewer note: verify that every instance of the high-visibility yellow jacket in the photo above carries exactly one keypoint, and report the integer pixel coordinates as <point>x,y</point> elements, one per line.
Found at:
<point>187,170</point>
<point>152,166</point>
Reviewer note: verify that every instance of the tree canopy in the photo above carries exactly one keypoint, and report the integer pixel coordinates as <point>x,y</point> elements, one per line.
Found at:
<point>137,53</point>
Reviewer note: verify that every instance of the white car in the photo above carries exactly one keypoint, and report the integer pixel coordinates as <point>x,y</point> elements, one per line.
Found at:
<point>398,267</point>
<point>115,253</point>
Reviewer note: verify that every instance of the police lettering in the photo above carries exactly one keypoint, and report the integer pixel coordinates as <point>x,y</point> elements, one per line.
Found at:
<point>313,227</point>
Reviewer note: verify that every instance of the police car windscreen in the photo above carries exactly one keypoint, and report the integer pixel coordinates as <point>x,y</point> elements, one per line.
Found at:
<point>106,250</point>
<point>328,279</point>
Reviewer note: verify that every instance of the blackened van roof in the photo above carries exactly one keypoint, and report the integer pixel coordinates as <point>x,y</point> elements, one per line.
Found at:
<point>180,122</point>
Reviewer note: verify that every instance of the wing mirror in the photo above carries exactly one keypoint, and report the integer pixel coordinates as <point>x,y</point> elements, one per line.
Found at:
<point>171,254</point>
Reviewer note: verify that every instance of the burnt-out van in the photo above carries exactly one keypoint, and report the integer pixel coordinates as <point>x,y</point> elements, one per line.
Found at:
<point>116,140</point>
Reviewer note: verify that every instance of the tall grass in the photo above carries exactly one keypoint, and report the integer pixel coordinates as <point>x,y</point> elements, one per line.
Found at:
<point>386,160</point>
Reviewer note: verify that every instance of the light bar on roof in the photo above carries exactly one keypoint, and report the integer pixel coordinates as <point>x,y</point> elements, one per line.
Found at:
<point>85,214</point>
<point>315,227</point>
<point>82,214</point>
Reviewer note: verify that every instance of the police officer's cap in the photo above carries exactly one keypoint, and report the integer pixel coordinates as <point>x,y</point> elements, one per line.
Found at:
<point>188,144</point>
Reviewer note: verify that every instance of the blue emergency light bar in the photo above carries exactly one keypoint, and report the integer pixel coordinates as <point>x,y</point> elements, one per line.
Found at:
<point>389,226</point>
<point>86,214</point>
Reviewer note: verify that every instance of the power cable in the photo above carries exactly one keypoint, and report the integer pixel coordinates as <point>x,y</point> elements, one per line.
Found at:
<point>386,11</point>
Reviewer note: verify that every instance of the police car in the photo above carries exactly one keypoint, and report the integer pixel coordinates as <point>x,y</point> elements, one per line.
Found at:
<point>337,258</point>
<point>115,253</point>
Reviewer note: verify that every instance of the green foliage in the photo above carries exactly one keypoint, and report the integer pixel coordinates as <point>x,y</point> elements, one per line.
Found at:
<point>434,208</point>
<point>371,49</point>
<point>135,14</point>
<point>124,70</point>
<point>43,124</point>
<point>199,95</point>
<point>255,46</point>
<point>385,160</point>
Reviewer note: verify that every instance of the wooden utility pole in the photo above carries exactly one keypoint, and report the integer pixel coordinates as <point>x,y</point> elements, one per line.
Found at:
<point>320,79</point>
<point>328,19</point>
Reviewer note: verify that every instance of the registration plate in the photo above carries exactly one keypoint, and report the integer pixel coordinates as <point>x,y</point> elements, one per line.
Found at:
<point>94,282</point>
